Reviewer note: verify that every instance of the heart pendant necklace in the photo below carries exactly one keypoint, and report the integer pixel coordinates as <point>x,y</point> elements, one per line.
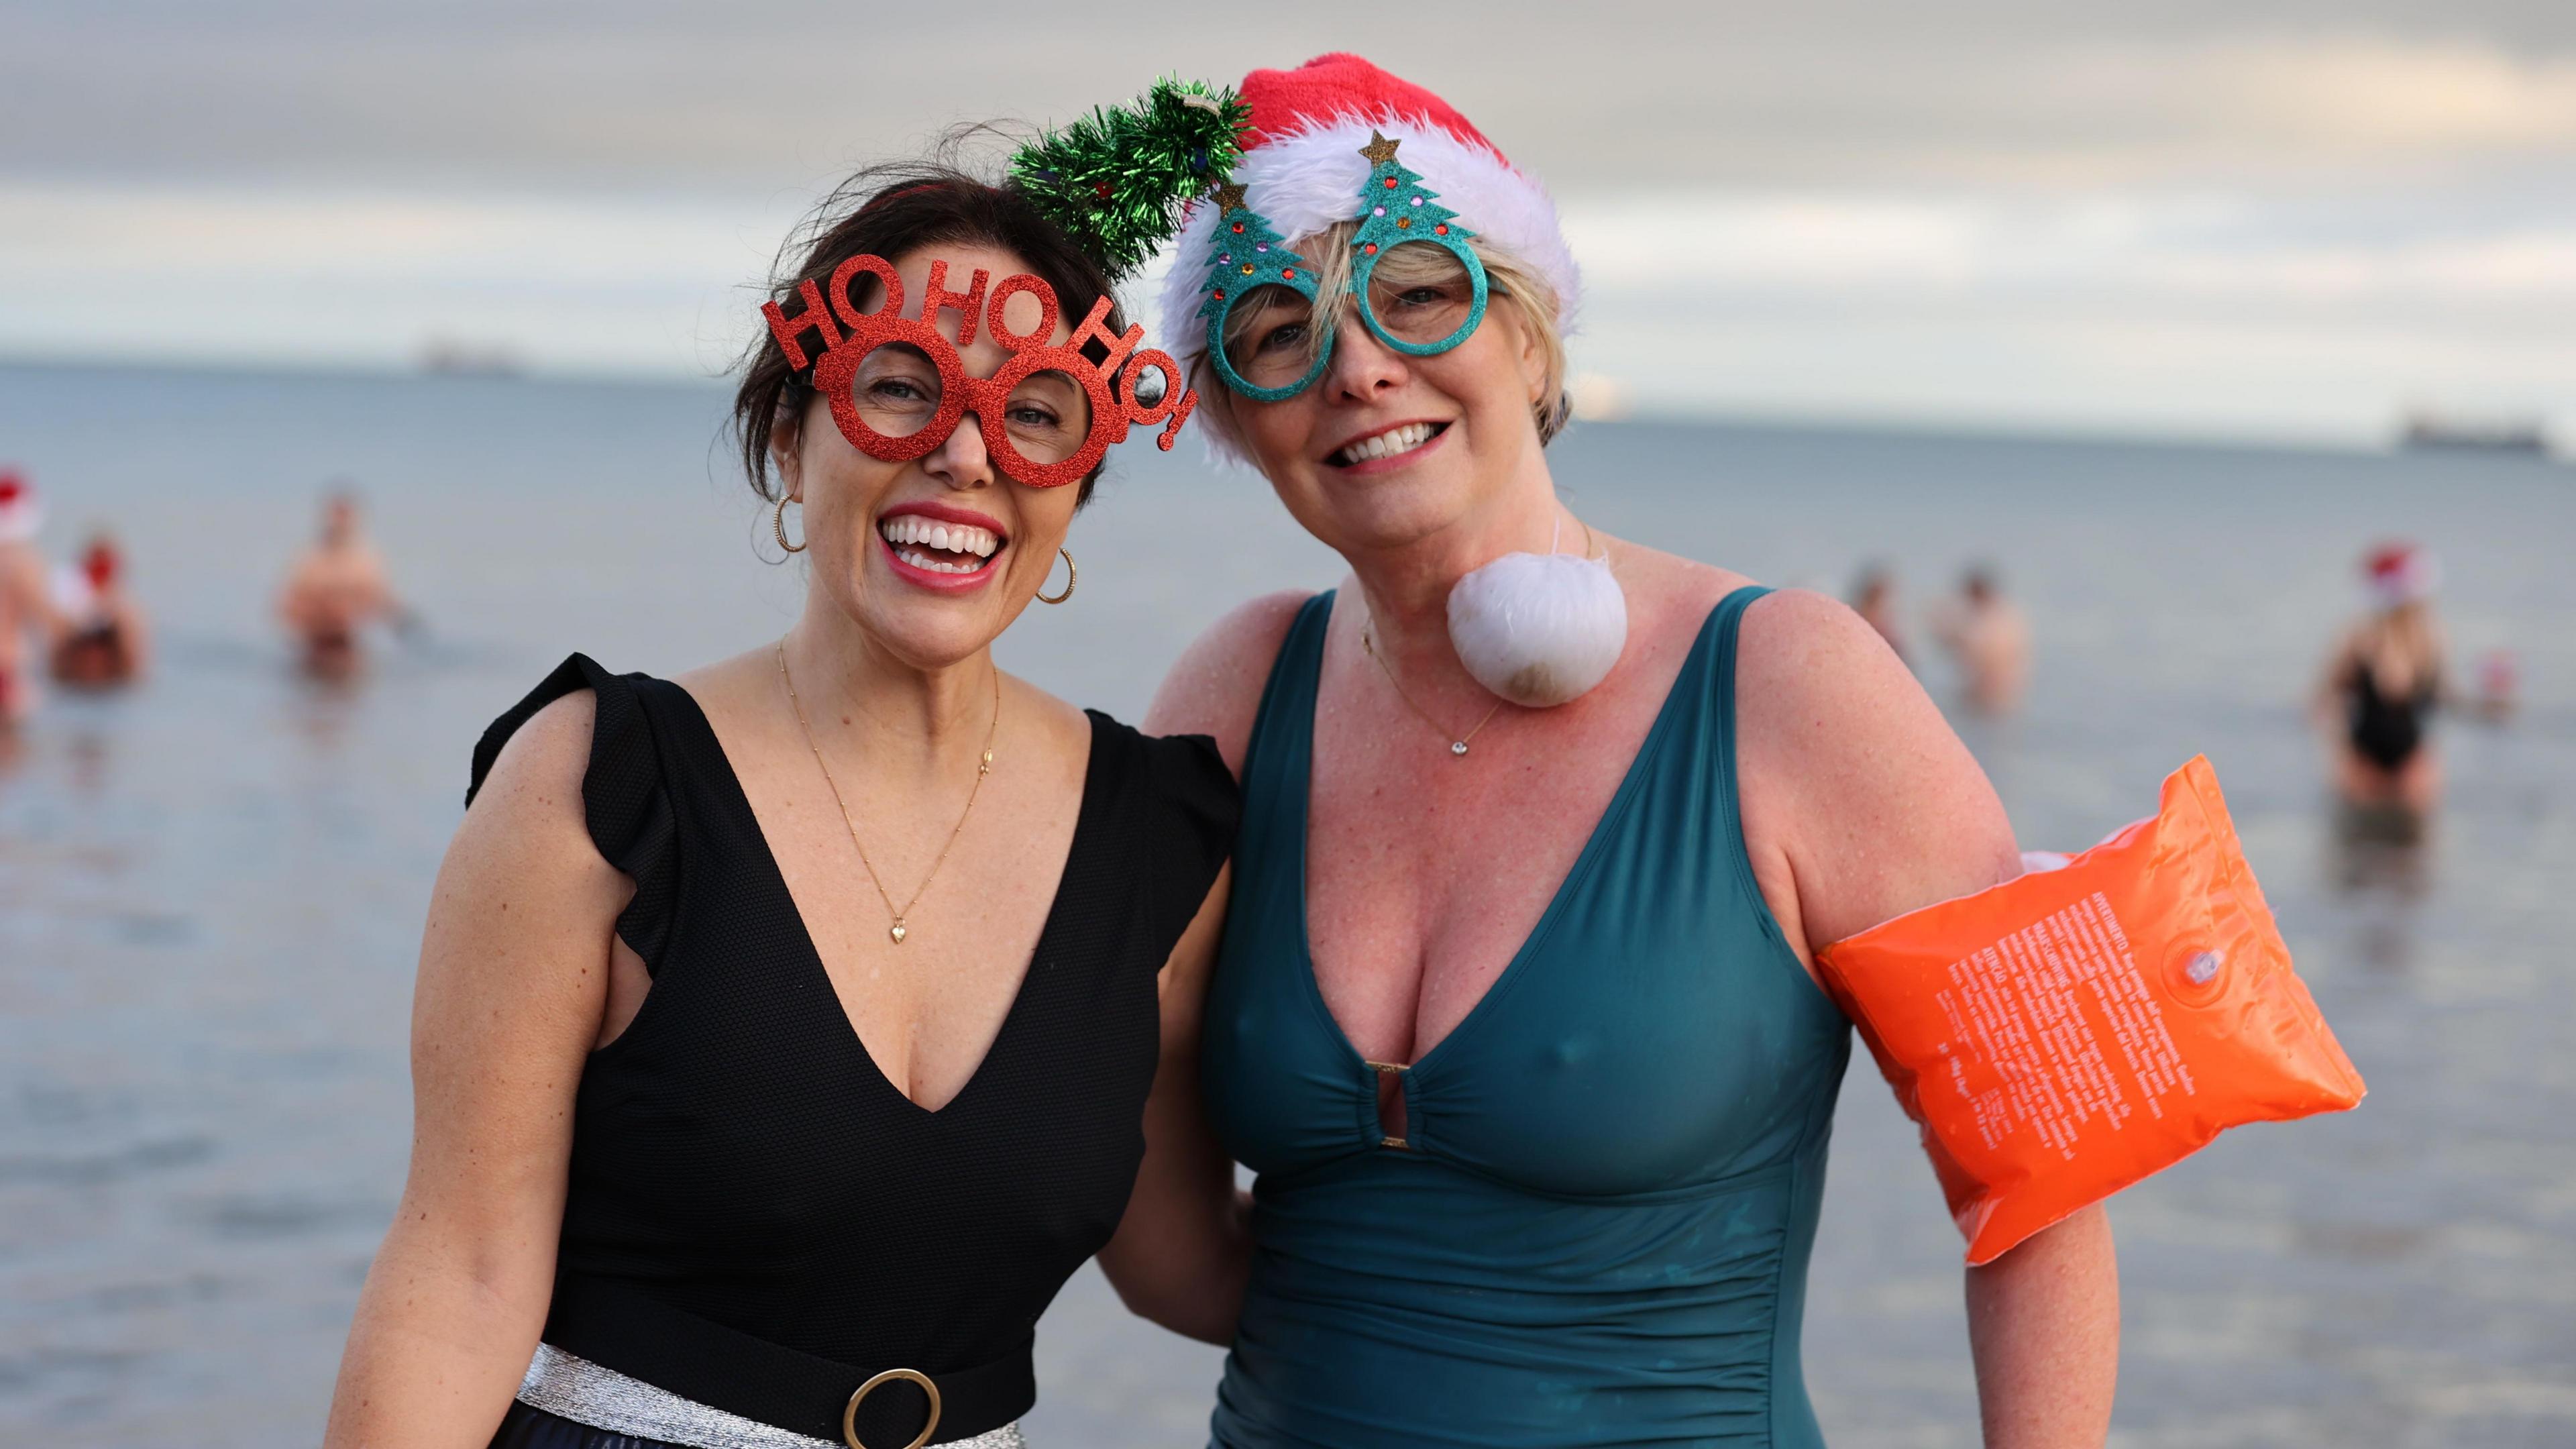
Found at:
<point>897,931</point>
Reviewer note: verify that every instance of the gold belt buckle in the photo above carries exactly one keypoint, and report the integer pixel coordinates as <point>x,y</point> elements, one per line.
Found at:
<point>850,1415</point>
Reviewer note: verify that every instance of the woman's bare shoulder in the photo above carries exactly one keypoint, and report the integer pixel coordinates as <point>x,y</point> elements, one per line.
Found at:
<point>540,768</point>
<point>1852,773</point>
<point>1816,684</point>
<point>1788,633</point>
<point>1214,688</point>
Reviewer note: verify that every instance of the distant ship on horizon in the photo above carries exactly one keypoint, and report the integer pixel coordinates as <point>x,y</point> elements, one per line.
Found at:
<point>451,357</point>
<point>2432,432</point>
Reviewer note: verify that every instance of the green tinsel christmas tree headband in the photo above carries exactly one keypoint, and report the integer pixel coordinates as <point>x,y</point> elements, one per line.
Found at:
<point>1115,179</point>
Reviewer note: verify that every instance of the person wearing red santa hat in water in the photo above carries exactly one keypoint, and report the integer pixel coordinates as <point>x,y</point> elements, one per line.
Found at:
<point>2382,684</point>
<point>26,608</point>
<point>104,640</point>
<point>1514,1014</point>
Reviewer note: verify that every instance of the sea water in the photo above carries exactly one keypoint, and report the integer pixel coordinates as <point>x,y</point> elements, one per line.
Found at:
<point>212,887</point>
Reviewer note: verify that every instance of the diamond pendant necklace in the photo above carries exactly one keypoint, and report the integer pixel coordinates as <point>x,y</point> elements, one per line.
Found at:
<point>983,767</point>
<point>1457,743</point>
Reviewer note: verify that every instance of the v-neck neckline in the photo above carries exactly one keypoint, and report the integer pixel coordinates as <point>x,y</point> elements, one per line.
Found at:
<point>740,799</point>
<point>1585,860</point>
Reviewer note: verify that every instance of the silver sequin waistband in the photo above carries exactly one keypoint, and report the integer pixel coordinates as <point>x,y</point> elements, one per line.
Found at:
<point>577,1389</point>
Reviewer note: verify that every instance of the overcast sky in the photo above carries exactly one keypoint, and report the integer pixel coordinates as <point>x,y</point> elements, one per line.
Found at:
<point>2284,217</point>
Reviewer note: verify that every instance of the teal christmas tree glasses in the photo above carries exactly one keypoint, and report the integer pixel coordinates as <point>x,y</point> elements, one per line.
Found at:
<point>1420,288</point>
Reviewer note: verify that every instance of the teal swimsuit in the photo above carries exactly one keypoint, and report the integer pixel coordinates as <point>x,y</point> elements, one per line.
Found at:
<point>1596,1232</point>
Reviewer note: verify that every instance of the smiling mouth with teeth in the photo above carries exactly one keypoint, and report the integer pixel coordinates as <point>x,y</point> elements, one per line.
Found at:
<point>940,548</point>
<point>1395,440</point>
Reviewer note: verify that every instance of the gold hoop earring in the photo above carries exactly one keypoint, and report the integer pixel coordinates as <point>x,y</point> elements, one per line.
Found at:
<point>1072,576</point>
<point>778,525</point>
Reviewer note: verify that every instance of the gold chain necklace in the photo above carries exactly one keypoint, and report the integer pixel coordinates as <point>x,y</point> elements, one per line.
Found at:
<point>982,768</point>
<point>1457,743</point>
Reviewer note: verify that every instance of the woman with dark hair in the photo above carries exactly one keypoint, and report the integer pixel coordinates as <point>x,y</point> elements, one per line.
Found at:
<point>1515,1017</point>
<point>783,1028</point>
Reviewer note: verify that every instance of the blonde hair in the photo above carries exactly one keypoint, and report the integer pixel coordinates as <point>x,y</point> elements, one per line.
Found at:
<point>1328,254</point>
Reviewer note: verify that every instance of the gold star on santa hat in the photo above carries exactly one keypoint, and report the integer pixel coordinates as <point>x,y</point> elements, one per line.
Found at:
<point>1306,127</point>
<point>1229,197</point>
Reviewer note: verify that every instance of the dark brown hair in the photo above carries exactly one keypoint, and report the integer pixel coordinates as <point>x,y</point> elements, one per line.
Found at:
<point>890,211</point>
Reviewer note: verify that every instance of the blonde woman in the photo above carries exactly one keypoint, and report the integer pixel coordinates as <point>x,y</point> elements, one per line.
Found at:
<point>2382,684</point>
<point>1514,1016</point>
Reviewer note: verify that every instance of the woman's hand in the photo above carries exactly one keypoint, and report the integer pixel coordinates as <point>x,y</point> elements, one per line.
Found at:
<point>1861,804</point>
<point>514,971</point>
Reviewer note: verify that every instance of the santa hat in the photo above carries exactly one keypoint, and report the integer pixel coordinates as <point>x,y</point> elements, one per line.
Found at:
<point>2400,574</point>
<point>1302,171</point>
<point>20,514</point>
<point>100,562</point>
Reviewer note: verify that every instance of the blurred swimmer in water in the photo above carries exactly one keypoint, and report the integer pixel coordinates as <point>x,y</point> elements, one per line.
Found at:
<point>1990,639</point>
<point>24,607</point>
<point>1873,597</point>
<point>337,587</point>
<point>101,639</point>
<point>2382,684</point>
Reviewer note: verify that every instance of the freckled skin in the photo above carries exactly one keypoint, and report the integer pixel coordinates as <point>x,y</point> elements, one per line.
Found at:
<point>1425,870</point>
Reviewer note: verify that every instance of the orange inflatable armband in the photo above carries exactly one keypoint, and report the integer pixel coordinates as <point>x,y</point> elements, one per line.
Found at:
<point>2067,1033</point>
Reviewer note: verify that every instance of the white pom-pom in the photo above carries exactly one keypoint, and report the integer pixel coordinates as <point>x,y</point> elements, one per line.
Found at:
<point>1539,629</point>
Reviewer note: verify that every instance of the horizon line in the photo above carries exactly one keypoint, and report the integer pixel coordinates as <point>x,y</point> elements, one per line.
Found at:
<point>1716,413</point>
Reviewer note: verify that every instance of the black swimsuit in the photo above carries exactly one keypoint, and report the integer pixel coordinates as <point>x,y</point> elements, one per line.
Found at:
<point>757,1220</point>
<point>2385,729</point>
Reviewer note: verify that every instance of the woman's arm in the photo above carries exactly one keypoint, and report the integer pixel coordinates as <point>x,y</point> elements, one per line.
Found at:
<point>2044,1326</point>
<point>295,596</point>
<point>1861,804</point>
<point>1184,1249</point>
<point>2437,663</point>
<point>2326,699</point>
<point>513,983</point>
<point>26,590</point>
<point>135,631</point>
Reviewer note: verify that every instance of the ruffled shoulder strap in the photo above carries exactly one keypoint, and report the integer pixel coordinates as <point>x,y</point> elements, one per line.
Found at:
<point>1182,806</point>
<point>626,797</point>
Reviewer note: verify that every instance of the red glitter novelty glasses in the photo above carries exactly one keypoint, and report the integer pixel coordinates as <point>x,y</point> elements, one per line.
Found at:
<point>897,388</point>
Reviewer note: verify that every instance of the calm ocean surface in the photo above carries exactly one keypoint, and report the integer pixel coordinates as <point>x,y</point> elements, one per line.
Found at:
<point>211,889</point>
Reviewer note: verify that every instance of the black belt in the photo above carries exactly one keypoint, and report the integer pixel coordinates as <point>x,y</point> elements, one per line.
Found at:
<point>697,1358</point>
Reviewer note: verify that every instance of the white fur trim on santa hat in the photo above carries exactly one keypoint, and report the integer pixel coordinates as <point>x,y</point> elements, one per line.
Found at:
<point>2402,577</point>
<point>1305,180</point>
<point>21,517</point>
